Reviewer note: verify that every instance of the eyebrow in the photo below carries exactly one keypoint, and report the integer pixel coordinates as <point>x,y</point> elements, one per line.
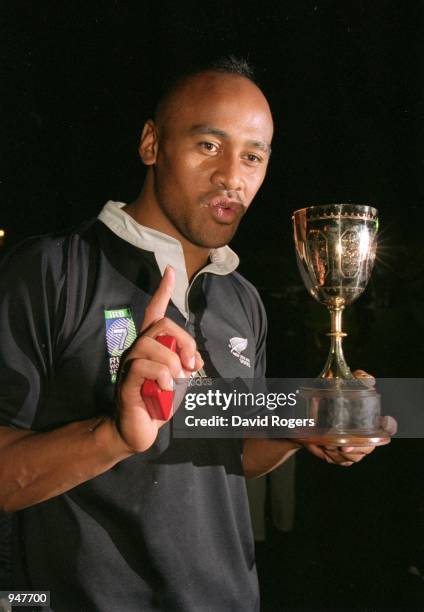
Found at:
<point>208,129</point>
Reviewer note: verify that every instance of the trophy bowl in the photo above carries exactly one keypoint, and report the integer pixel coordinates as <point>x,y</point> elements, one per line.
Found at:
<point>335,250</point>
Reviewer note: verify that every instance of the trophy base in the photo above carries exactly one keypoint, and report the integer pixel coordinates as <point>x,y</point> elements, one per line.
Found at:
<point>338,438</point>
<point>345,413</point>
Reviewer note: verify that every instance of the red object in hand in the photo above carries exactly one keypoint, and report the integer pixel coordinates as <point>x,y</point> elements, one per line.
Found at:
<point>159,402</point>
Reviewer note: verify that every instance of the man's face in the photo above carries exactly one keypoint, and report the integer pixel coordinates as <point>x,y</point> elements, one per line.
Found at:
<point>212,154</point>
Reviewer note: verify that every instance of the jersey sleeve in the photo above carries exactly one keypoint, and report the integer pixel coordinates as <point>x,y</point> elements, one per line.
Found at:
<point>261,330</point>
<point>31,283</point>
<point>258,321</point>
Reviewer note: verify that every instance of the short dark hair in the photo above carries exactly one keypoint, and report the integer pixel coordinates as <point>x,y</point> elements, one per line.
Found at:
<point>226,65</point>
<point>230,65</point>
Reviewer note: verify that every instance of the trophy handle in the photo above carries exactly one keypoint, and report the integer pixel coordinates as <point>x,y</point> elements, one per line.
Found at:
<point>336,366</point>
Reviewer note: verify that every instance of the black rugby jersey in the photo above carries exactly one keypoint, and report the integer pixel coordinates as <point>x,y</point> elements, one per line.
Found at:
<point>168,529</point>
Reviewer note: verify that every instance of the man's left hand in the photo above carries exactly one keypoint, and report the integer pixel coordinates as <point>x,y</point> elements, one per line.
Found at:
<point>340,455</point>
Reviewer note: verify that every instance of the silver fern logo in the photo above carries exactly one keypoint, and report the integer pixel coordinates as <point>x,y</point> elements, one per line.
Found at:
<point>237,346</point>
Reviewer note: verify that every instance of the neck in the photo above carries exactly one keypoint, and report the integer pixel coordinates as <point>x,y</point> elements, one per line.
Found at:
<point>146,211</point>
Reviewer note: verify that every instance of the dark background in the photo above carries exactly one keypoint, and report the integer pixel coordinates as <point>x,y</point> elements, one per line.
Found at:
<point>345,83</point>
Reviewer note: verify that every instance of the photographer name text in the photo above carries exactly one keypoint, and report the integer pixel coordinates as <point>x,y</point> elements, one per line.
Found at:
<point>267,420</point>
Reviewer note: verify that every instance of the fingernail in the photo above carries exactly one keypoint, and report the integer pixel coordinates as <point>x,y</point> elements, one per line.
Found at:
<point>347,463</point>
<point>347,449</point>
<point>181,374</point>
<point>191,362</point>
<point>171,385</point>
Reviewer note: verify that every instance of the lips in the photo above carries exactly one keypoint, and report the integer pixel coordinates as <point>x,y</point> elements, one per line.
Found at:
<point>225,203</point>
<point>225,210</point>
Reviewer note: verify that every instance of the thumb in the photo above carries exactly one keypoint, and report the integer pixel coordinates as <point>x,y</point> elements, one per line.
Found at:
<point>159,301</point>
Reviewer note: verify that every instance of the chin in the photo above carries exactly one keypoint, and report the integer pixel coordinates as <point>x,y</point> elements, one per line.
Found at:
<point>215,238</point>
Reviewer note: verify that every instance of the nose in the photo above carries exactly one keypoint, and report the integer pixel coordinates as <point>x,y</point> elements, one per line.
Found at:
<point>228,173</point>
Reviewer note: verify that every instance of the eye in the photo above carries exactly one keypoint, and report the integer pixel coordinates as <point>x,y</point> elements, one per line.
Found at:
<point>252,158</point>
<point>208,147</point>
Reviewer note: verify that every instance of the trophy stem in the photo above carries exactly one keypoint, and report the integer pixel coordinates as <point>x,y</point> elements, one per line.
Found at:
<point>336,366</point>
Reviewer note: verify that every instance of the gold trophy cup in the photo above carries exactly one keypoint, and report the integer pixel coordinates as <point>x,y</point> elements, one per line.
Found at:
<point>335,249</point>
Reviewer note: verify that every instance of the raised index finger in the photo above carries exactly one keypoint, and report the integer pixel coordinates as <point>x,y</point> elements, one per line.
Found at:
<point>159,301</point>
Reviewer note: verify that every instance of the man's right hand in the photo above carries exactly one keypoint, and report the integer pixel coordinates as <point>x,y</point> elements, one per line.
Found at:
<point>148,359</point>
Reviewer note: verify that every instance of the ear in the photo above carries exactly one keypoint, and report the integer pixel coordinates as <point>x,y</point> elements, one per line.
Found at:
<point>148,146</point>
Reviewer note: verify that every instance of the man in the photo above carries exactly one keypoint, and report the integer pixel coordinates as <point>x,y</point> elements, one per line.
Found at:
<point>115,514</point>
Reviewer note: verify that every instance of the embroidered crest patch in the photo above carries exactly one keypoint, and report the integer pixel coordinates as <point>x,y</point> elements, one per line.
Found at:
<point>120,334</point>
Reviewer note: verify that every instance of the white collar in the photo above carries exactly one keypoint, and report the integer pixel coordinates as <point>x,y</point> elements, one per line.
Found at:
<point>167,250</point>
